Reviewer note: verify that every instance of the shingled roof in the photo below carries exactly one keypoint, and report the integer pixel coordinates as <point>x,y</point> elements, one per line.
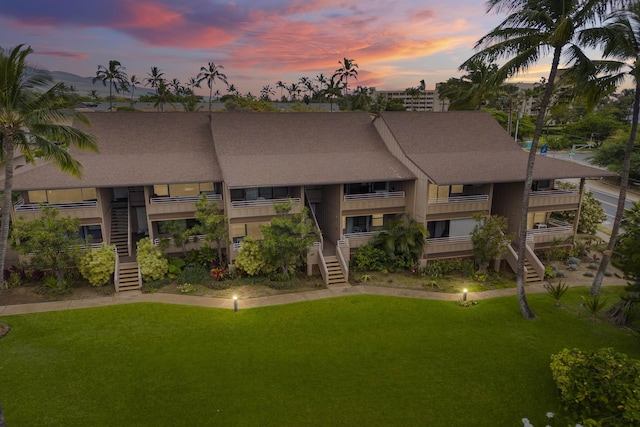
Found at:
<point>273,149</point>
<point>462,147</point>
<point>136,149</point>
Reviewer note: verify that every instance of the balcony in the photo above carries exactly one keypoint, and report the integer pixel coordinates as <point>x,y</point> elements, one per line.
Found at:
<point>187,204</point>
<point>262,207</point>
<point>449,246</point>
<point>552,232</point>
<point>84,209</point>
<point>557,200</point>
<point>359,239</point>
<point>375,201</point>
<point>459,204</point>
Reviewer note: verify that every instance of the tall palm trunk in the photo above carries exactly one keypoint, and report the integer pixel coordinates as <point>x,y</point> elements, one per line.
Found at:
<point>7,203</point>
<point>624,185</point>
<point>526,311</point>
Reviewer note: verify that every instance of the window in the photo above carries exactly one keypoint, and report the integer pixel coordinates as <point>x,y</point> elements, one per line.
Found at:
<point>438,229</point>
<point>70,195</point>
<point>253,193</point>
<point>543,184</point>
<point>366,187</point>
<point>357,224</point>
<point>90,233</point>
<point>185,190</point>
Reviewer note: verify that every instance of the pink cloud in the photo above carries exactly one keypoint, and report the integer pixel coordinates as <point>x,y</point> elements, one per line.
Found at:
<point>60,54</point>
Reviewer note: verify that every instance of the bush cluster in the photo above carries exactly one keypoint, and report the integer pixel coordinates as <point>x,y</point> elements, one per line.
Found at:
<point>598,387</point>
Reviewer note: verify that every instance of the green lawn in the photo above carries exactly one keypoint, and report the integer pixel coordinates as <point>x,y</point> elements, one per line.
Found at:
<point>352,361</point>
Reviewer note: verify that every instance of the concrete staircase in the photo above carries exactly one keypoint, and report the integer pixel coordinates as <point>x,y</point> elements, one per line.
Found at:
<point>335,277</point>
<point>531,276</point>
<point>120,229</point>
<point>128,278</point>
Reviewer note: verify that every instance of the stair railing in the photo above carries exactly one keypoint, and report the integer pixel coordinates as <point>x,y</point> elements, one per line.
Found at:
<point>116,271</point>
<point>344,265</point>
<point>535,262</point>
<point>322,264</point>
<point>128,227</point>
<point>315,220</point>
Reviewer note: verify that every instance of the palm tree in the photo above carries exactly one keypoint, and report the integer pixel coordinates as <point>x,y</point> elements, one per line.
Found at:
<point>348,68</point>
<point>413,93</point>
<point>133,81</point>
<point>116,72</point>
<point>531,30</point>
<point>619,39</point>
<point>177,86</point>
<point>32,121</point>
<point>293,90</point>
<point>163,96</point>
<point>211,73</point>
<point>282,85</point>
<point>266,92</point>
<point>233,90</point>
<point>154,78</point>
<point>332,91</point>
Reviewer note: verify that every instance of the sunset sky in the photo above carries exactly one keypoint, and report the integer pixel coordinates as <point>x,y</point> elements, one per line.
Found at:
<point>395,43</point>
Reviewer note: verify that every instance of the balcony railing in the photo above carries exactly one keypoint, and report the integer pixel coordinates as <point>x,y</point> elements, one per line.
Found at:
<point>545,193</point>
<point>549,232</point>
<point>264,202</point>
<point>454,244</point>
<point>460,199</point>
<point>377,195</point>
<point>360,235</point>
<point>27,207</point>
<point>192,239</point>
<point>159,200</point>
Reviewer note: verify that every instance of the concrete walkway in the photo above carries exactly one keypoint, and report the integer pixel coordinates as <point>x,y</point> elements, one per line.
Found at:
<point>131,297</point>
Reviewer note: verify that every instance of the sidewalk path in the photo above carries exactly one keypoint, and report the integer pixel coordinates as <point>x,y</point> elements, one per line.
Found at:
<point>131,297</point>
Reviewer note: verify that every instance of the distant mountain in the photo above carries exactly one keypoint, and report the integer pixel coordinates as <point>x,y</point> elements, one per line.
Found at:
<point>84,85</point>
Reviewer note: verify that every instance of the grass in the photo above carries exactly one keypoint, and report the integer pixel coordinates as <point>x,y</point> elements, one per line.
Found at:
<point>361,360</point>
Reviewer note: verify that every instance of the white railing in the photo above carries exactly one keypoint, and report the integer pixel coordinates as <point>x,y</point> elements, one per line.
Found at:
<point>554,226</point>
<point>378,195</point>
<point>460,199</point>
<point>24,207</point>
<point>344,266</point>
<point>184,199</point>
<point>198,238</point>
<point>446,240</point>
<point>359,235</point>
<point>552,193</point>
<point>92,245</point>
<point>116,270</point>
<point>265,202</point>
<point>129,233</point>
<point>315,222</point>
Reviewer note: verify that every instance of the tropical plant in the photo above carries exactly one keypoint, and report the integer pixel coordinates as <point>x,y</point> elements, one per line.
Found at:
<point>211,73</point>
<point>180,233</point>
<point>266,93</point>
<point>627,250</point>
<point>163,96</point>
<point>32,121</point>
<point>403,240</point>
<point>591,212</point>
<point>97,265</point>
<point>619,39</point>
<point>154,78</point>
<point>51,240</point>
<point>593,305</point>
<point>531,30</point>
<point>286,239</point>
<point>212,223</point>
<point>133,81</point>
<point>489,239</point>
<point>557,291</point>
<point>115,74</point>
<point>348,68</point>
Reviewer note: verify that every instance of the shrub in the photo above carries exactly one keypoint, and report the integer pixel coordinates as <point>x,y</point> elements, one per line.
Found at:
<point>598,386</point>
<point>573,261</point>
<point>175,266</point>
<point>549,272</point>
<point>251,258</point>
<point>204,256</point>
<point>281,281</point>
<point>369,258</point>
<point>153,265</point>
<point>154,285</point>
<point>592,266</point>
<point>588,274</point>
<point>194,274</point>
<point>97,265</point>
<point>573,267</point>
<point>560,273</point>
<point>218,273</point>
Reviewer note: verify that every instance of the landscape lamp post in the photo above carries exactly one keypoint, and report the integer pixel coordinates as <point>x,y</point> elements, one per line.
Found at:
<point>235,303</point>
<point>464,294</point>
